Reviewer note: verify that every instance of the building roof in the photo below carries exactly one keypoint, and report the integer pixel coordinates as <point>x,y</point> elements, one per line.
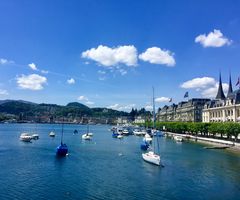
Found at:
<point>220,94</point>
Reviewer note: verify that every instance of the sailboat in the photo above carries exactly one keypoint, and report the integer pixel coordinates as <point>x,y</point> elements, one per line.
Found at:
<point>87,136</point>
<point>153,156</point>
<point>62,149</point>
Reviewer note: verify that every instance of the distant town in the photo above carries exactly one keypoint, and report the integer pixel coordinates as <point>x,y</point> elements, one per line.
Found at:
<point>221,109</point>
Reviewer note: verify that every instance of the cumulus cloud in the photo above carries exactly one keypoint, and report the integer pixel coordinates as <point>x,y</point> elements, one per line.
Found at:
<point>33,66</point>
<point>207,86</point>
<point>82,98</point>
<point>203,82</point>
<point>4,61</point>
<point>156,55</point>
<point>122,107</point>
<point>149,107</point>
<point>3,92</point>
<point>108,56</point>
<point>70,81</point>
<point>44,71</point>
<point>212,91</point>
<point>101,72</point>
<point>162,99</point>
<point>31,82</point>
<point>90,103</point>
<point>213,39</point>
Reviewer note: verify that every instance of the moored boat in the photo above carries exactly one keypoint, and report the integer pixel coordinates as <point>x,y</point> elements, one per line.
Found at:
<point>52,134</point>
<point>62,149</point>
<point>153,156</point>
<point>25,137</point>
<point>35,136</point>
<point>178,138</point>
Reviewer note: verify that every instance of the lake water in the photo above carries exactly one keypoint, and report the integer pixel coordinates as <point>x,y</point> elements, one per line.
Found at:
<point>108,168</point>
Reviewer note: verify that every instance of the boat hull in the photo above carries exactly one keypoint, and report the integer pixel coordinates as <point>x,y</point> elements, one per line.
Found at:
<point>152,158</point>
<point>62,150</point>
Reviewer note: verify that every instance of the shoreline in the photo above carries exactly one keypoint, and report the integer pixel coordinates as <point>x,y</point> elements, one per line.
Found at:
<point>232,146</point>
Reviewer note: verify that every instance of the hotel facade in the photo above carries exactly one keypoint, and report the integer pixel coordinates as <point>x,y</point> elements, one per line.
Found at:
<point>223,109</point>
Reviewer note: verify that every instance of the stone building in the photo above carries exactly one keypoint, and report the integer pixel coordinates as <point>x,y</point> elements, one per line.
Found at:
<point>223,109</point>
<point>189,111</point>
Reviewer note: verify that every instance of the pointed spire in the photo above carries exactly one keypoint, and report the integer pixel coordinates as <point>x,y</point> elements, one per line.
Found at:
<point>220,94</point>
<point>230,90</point>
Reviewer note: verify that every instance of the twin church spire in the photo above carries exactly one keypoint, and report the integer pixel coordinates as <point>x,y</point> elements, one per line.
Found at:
<point>220,93</point>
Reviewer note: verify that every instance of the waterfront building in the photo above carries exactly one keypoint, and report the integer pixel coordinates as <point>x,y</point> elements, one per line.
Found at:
<point>223,109</point>
<point>188,111</point>
<point>139,120</point>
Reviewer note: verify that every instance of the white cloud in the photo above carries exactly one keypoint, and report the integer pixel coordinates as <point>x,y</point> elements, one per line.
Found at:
<point>156,55</point>
<point>90,103</point>
<point>213,39</point>
<point>122,107</point>
<point>122,72</point>
<point>101,72</point>
<point>107,56</point>
<point>149,107</point>
<point>102,78</point>
<point>203,82</point>
<point>4,61</point>
<point>207,86</point>
<point>82,98</point>
<point>162,99</point>
<point>212,91</point>
<point>114,106</point>
<point>70,81</point>
<point>3,92</point>
<point>33,66</point>
<point>31,82</point>
<point>44,71</point>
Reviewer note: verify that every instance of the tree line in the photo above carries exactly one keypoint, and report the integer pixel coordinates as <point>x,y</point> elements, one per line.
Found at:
<point>226,130</point>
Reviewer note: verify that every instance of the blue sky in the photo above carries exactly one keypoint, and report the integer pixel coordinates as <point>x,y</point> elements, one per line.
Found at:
<point>110,53</point>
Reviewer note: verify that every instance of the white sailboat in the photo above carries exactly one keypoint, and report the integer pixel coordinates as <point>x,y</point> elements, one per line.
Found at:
<point>153,156</point>
<point>87,136</point>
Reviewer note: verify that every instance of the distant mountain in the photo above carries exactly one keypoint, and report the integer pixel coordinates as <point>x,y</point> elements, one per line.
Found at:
<point>9,100</point>
<point>24,110</point>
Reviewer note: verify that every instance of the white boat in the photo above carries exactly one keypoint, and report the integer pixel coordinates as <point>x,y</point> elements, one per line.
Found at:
<point>120,136</point>
<point>90,134</point>
<point>25,137</point>
<point>139,132</point>
<point>125,132</point>
<point>178,138</point>
<point>152,156</point>
<point>86,137</point>
<point>35,136</point>
<point>147,138</point>
<point>52,134</point>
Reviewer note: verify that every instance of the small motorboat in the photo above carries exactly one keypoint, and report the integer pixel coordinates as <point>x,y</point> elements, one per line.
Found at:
<point>52,134</point>
<point>147,138</point>
<point>125,132</point>
<point>35,136</point>
<point>178,138</point>
<point>120,136</point>
<point>25,137</point>
<point>86,137</point>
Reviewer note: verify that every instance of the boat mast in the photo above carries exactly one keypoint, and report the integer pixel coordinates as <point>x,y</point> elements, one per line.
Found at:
<point>153,109</point>
<point>62,131</point>
<point>154,123</point>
